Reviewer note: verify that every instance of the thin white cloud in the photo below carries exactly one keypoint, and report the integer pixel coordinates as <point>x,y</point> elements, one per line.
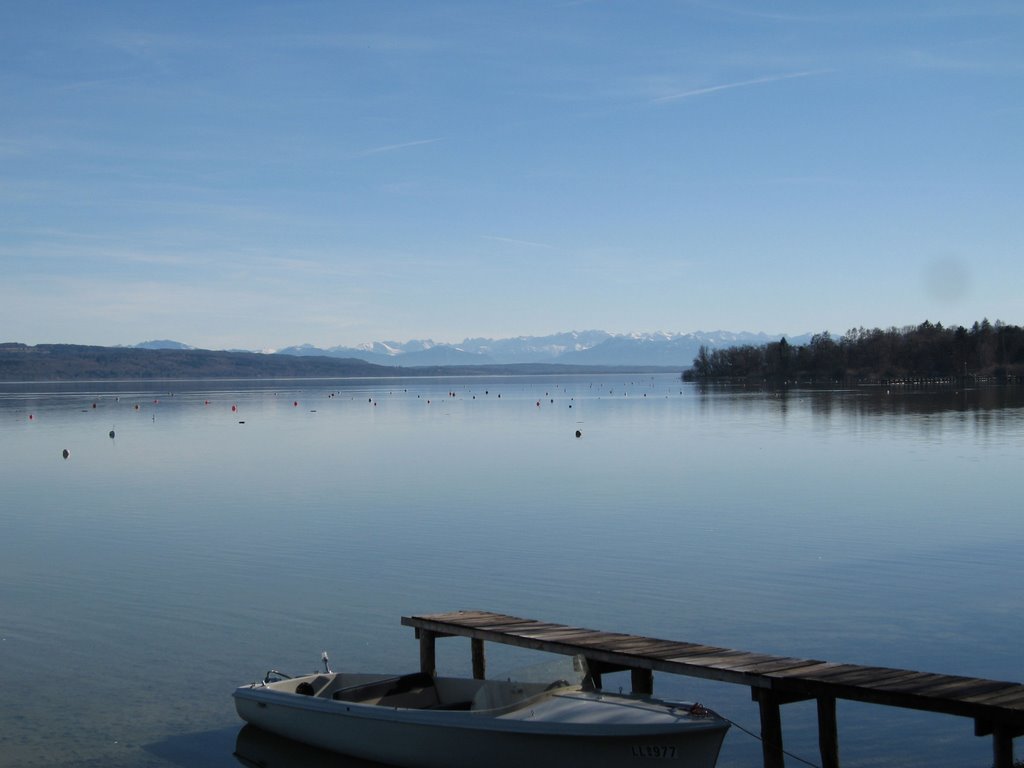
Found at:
<point>738,84</point>
<point>514,241</point>
<point>394,147</point>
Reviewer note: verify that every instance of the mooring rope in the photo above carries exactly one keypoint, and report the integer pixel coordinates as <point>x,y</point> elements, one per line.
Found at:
<point>761,739</point>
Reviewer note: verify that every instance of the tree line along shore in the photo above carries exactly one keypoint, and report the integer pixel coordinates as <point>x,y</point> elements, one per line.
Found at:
<point>72,362</point>
<point>927,353</point>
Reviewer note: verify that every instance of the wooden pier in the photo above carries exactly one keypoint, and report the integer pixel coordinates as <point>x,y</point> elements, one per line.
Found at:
<point>997,708</point>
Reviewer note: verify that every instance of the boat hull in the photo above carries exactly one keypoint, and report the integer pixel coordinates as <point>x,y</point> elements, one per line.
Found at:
<point>439,739</point>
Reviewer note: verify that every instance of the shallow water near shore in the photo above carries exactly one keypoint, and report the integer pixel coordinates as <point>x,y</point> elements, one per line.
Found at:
<point>230,527</point>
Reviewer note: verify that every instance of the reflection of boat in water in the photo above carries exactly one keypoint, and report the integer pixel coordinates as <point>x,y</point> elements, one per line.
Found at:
<point>422,721</point>
<point>256,748</point>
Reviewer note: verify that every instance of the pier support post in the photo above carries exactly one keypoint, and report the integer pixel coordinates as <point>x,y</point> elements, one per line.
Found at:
<point>771,728</point>
<point>828,732</point>
<point>479,662</point>
<point>1002,747</point>
<point>1002,740</point>
<point>643,681</point>
<point>428,661</point>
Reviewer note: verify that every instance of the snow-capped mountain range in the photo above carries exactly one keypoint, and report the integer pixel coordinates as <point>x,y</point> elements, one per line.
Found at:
<point>571,348</point>
<point>575,347</point>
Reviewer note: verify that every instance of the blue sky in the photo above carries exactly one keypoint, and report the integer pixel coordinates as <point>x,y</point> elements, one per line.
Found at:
<point>246,174</point>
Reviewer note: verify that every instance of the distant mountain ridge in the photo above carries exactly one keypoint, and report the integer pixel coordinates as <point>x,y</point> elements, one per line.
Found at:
<point>162,344</point>
<point>570,348</point>
<point>571,351</point>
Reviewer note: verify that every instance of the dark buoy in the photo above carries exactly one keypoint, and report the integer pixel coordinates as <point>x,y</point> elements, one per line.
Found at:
<point>578,433</point>
<point>111,433</point>
<point>66,453</point>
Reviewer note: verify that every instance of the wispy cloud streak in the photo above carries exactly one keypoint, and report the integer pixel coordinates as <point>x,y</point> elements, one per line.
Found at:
<point>739,84</point>
<point>514,241</point>
<point>394,147</point>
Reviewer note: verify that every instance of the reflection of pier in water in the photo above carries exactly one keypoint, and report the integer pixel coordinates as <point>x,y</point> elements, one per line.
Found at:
<point>996,707</point>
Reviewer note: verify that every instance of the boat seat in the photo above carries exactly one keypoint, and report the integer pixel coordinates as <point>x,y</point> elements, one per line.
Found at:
<point>415,690</point>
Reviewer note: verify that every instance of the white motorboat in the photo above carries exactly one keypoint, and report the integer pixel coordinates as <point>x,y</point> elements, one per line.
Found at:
<point>421,721</point>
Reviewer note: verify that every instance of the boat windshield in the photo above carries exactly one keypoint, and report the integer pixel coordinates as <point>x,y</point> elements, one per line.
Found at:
<point>520,684</point>
<point>570,670</point>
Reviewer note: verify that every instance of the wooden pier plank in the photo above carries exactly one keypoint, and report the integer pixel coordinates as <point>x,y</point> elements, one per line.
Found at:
<point>802,671</point>
<point>778,665</point>
<point>668,649</point>
<point>719,659</point>
<point>1010,697</point>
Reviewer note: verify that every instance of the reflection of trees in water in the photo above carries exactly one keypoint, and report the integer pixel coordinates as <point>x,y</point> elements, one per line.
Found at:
<point>985,401</point>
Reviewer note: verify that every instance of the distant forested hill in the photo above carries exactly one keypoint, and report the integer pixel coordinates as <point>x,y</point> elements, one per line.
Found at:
<point>925,351</point>
<point>19,362</point>
<point>69,362</point>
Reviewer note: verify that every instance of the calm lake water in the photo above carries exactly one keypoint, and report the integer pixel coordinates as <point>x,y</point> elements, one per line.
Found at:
<point>231,527</point>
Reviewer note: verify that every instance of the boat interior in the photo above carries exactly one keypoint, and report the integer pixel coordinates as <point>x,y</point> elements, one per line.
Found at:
<point>417,690</point>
